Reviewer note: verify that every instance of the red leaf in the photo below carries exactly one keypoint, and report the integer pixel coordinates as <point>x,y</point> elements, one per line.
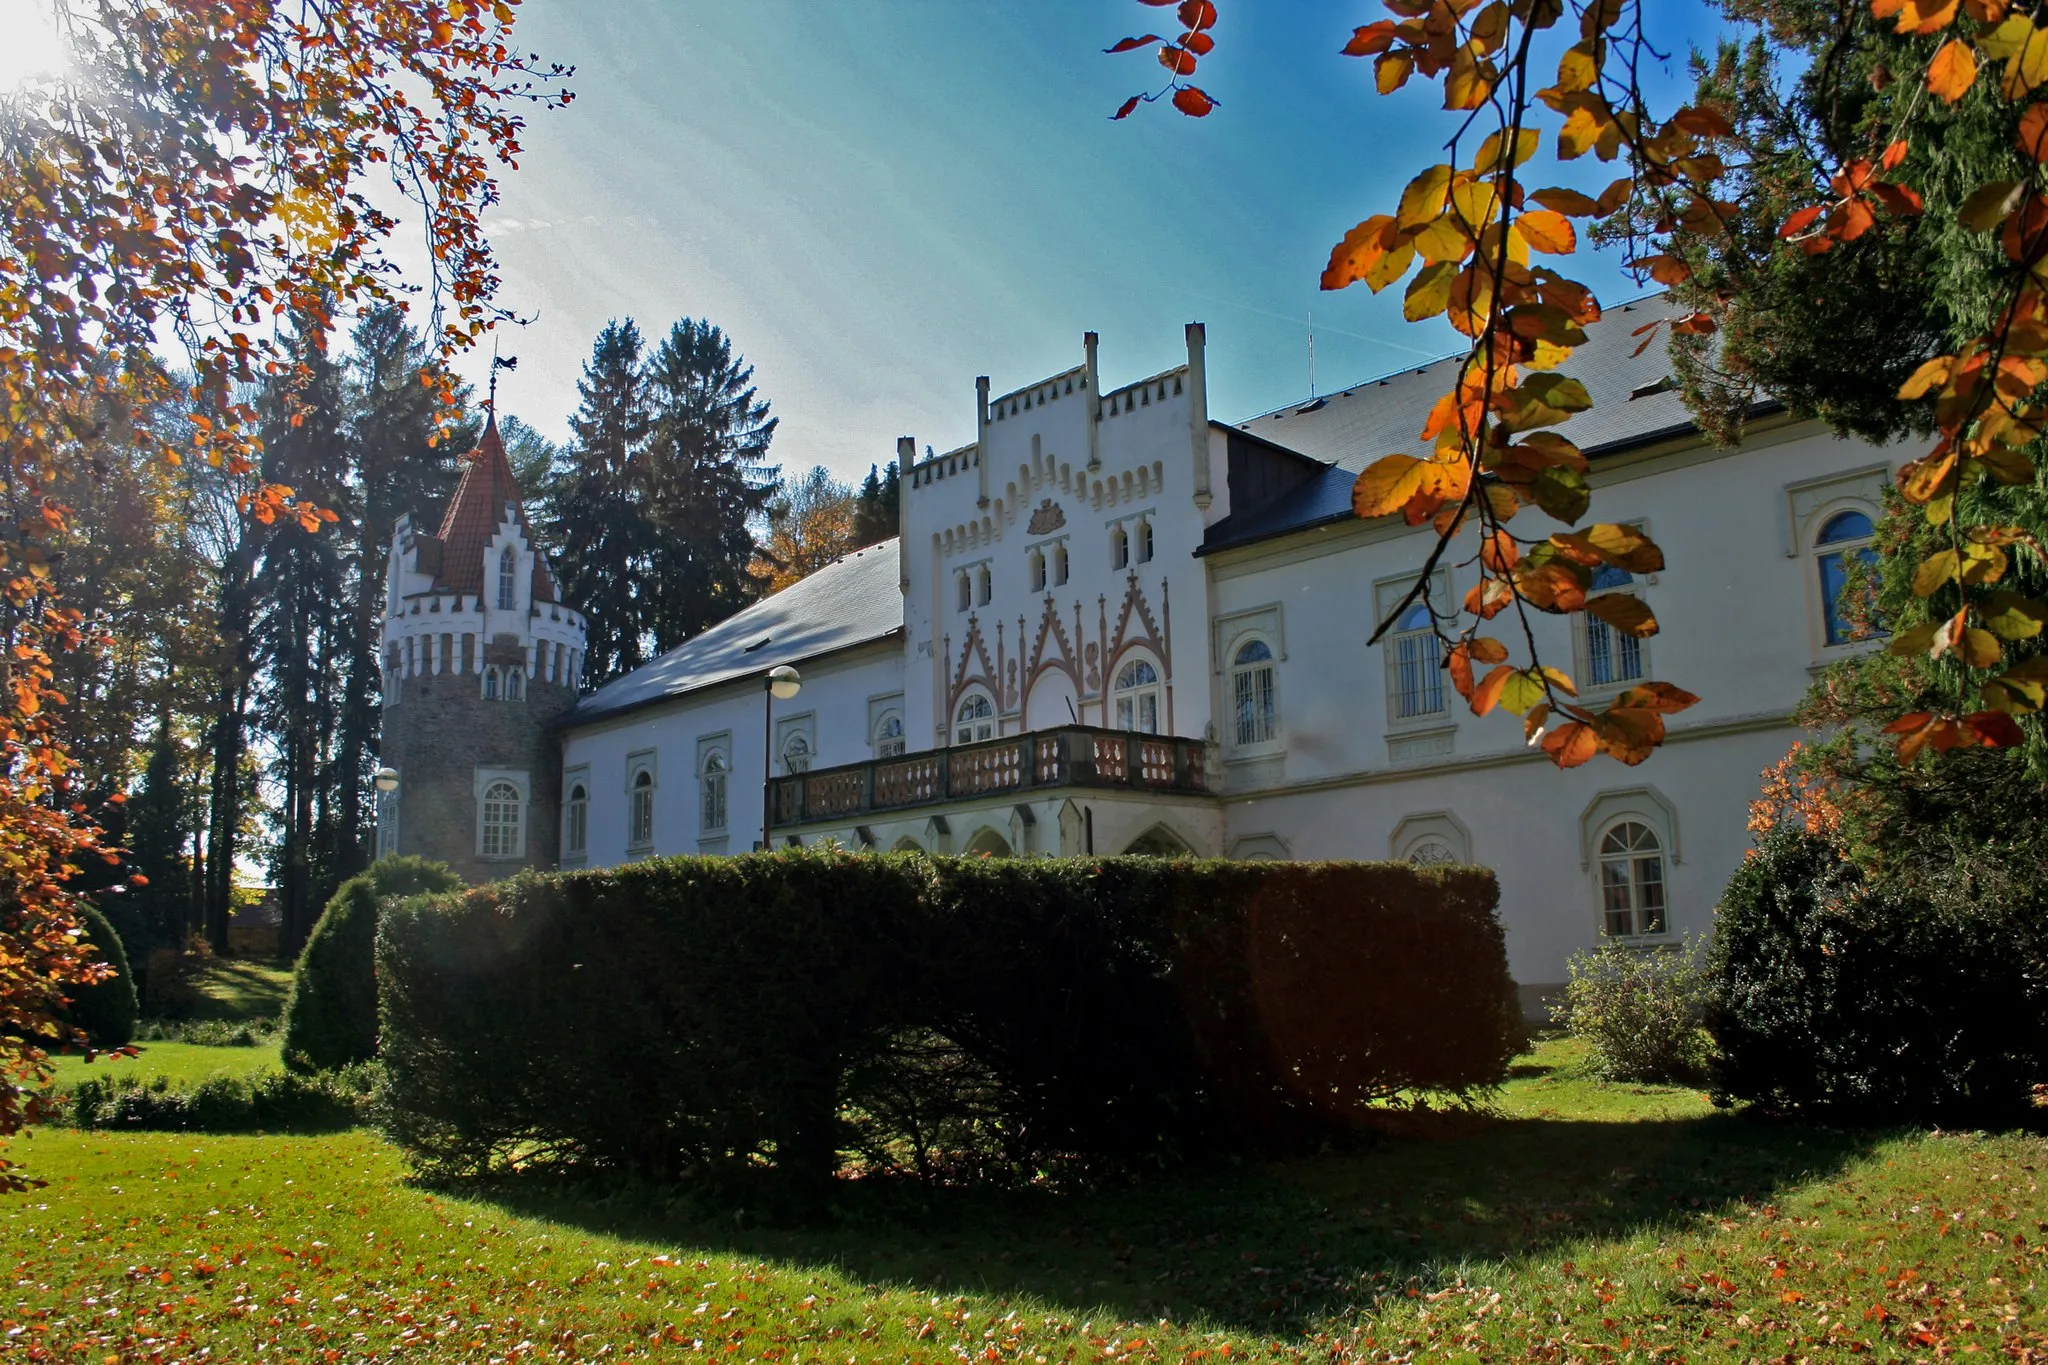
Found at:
<point>1130,44</point>
<point>1197,14</point>
<point>1124,109</point>
<point>1893,155</point>
<point>1193,101</point>
<point>1999,730</point>
<point>1201,44</point>
<point>1371,40</point>
<point>1178,60</point>
<point>1802,220</point>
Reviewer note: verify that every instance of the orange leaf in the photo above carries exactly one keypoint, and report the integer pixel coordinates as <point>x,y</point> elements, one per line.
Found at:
<point>1547,231</point>
<point>1371,40</point>
<point>1487,695</point>
<point>1571,744</point>
<point>1954,68</point>
<point>1387,485</point>
<point>1894,154</point>
<point>2033,134</point>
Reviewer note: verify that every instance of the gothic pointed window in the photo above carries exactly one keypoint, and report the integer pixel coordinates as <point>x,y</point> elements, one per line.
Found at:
<point>1137,697</point>
<point>984,586</point>
<point>711,792</point>
<point>508,580</point>
<point>640,809</point>
<point>515,684</point>
<point>1036,562</point>
<point>576,821</point>
<point>491,683</point>
<point>501,821</point>
<point>1059,565</point>
<point>1119,548</point>
<point>1143,541</point>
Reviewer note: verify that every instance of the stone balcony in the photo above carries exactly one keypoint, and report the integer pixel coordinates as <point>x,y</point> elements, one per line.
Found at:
<point>1021,765</point>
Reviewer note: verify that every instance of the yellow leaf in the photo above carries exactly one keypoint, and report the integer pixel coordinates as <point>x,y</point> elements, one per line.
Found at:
<point>1470,80</point>
<point>1392,70</point>
<point>1935,570</point>
<point>1526,142</point>
<point>1475,202</point>
<point>1547,231</point>
<point>1442,239</point>
<point>1952,71</point>
<point>1430,292</point>
<point>1387,485</point>
<point>1932,373</point>
<point>1392,266</point>
<point>1580,133</point>
<point>1424,198</point>
<point>1577,70</point>
<point>2027,64</point>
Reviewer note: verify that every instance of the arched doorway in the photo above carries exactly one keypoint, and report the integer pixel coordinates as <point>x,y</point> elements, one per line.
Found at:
<point>987,843</point>
<point>1159,842</point>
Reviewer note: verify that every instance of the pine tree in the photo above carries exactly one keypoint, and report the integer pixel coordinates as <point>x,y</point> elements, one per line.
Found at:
<point>707,482</point>
<point>154,915</point>
<point>597,521</point>
<point>875,511</point>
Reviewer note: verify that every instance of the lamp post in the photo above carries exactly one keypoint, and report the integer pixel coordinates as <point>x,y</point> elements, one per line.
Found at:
<point>385,780</point>
<point>781,683</point>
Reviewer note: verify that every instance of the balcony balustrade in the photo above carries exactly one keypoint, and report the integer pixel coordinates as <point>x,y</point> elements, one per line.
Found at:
<point>1071,756</point>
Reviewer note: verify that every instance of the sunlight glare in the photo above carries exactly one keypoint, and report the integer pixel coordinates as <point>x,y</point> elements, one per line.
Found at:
<point>30,47</point>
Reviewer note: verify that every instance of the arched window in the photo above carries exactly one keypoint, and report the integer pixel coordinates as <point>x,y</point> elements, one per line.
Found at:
<point>963,590</point>
<point>711,792</point>
<point>640,810</point>
<point>1059,565</point>
<point>492,683</point>
<point>1137,697</point>
<point>515,683</point>
<point>1252,695</point>
<point>1844,537</point>
<point>1415,675</point>
<point>889,741</point>
<point>1036,560</point>
<point>1144,539</point>
<point>796,753</point>
<point>975,720</point>
<point>1119,548</point>
<point>508,580</point>
<point>1631,880</point>
<point>1432,852</point>
<point>1612,657</point>
<point>984,585</point>
<point>501,820</point>
<point>576,821</point>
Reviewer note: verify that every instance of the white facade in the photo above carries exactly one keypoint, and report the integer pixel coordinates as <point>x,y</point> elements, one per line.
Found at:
<point>1087,539</point>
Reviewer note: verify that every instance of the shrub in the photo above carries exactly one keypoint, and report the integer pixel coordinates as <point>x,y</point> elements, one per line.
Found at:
<point>1643,1010</point>
<point>330,1018</point>
<point>208,1032</point>
<point>107,1010</point>
<point>1923,1001</point>
<point>722,1017</point>
<point>273,1101</point>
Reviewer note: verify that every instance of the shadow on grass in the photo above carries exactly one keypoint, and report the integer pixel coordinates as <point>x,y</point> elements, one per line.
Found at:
<point>1279,1247</point>
<point>234,989</point>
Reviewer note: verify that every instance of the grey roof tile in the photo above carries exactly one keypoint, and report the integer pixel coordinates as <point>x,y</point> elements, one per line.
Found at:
<point>849,602</point>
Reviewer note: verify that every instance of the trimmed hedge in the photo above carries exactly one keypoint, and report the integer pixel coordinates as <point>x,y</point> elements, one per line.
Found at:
<point>270,1102</point>
<point>712,1017</point>
<point>1877,1001</point>
<point>330,1018</point>
<point>108,1010</point>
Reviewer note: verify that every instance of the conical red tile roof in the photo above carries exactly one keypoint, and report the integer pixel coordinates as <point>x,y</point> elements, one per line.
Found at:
<point>474,515</point>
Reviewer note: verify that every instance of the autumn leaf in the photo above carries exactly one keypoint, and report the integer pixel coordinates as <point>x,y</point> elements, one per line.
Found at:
<point>1952,71</point>
<point>1626,612</point>
<point>1193,101</point>
<point>1548,231</point>
<point>1387,485</point>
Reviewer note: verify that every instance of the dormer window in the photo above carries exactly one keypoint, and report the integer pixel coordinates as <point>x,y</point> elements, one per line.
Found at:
<point>508,580</point>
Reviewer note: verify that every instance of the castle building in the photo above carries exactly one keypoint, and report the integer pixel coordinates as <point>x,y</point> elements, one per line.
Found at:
<point>1114,624</point>
<point>480,657</point>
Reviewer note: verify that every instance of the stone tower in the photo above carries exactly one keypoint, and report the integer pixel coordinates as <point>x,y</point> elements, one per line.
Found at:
<point>479,656</point>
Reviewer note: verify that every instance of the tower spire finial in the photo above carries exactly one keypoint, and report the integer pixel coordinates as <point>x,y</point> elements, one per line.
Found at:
<point>510,362</point>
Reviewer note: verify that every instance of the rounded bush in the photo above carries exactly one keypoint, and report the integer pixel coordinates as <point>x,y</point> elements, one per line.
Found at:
<point>1876,1000</point>
<point>330,1019</point>
<point>1643,1012</point>
<point>106,1011</point>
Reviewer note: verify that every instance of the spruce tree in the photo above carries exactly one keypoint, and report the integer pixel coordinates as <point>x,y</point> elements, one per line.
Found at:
<point>596,519</point>
<point>875,507</point>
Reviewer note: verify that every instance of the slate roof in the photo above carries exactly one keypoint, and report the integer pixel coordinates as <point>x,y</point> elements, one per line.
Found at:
<point>474,515</point>
<point>1351,429</point>
<point>851,601</point>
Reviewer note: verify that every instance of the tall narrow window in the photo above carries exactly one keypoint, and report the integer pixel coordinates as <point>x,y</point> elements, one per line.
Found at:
<point>796,753</point>
<point>1119,548</point>
<point>963,590</point>
<point>501,811</point>
<point>711,792</point>
<point>1845,537</point>
<point>889,741</point>
<point>576,821</point>
<point>491,682</point>
<point>1144,541</point>
<point>1137,697</point>
<point>640,811</point>
<point>1251,688</point>
<point>1036,560</point>
<point>1059,565</point>
<point>1613,657</point>
<point>985,585</point>
<point>508,580</point>
<point>1631,880</point>
<point>515,683</point>
<point>1415,675</point>
<point>974,721</point>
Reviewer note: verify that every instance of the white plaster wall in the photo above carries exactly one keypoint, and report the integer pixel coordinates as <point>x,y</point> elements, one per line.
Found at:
<point>836,692</point>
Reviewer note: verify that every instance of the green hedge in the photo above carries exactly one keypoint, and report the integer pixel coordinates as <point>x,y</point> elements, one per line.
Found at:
<point>718,1016</point>
<point>269,1102</point>
<point>1877,1001</point>
<point>330,1018</point>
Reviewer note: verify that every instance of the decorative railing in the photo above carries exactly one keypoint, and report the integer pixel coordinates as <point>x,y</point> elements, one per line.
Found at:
<point>1071,756</point>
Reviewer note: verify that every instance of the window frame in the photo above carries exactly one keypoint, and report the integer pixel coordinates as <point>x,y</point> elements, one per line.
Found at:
<point>508,579</point>
<point>1119,547</point>
<point>1584,626</point>
<point>576,815</point>
<point>881,741</point>
<point>1142,551</point>
<point>984,585</point>
<point>961,720</point>
<point>1136,694</point>
<point>1633,857</point>
<point>714,790</point>
<point>1816,553</point>
<point>487,781</point>
<point>1434,682</point>
<point>1238,671</point>
<point>641,800</point>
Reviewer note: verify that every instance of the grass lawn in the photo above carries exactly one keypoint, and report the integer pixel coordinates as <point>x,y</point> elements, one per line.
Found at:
<point>184,1064</point>
<point>239,988</point>
<point>1587,1222</point>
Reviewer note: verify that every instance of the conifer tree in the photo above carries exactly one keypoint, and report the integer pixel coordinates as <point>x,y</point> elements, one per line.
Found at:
<point>875,507</point>
<point>596,520</point>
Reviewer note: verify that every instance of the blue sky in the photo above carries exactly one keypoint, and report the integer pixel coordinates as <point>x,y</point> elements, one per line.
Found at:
<point>879,201</point>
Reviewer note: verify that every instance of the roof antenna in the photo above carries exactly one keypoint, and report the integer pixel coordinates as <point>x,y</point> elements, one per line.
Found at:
<point>1311,355</point>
